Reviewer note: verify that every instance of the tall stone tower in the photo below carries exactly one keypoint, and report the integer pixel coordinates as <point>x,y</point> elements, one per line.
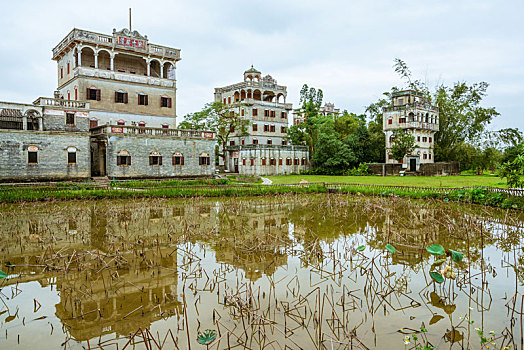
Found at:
<point>412,112</point>
<point>126,79</point>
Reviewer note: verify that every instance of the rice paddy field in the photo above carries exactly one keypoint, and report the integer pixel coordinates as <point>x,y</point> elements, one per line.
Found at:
<point>298,271</point>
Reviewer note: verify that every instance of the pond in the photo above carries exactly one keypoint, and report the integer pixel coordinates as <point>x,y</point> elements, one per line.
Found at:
<point>301,271</point>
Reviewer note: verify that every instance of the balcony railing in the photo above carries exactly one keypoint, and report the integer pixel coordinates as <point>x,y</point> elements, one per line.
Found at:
<point>148,131</point>
<point>412,125</point>
<point>253,85</point>
<point>251,101</point>
<point>57,102</point>
<point>412,105</point>
<point>262,146</point>
<point>128,77</point>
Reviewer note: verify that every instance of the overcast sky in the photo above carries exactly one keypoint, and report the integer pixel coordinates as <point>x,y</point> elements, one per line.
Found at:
<point>346,48</point>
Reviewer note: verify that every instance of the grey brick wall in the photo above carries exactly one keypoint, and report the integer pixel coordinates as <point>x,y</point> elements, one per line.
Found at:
<point>55,120</point>
<point>52,155</point>
<point>277,153</point>
<point>140,148</point>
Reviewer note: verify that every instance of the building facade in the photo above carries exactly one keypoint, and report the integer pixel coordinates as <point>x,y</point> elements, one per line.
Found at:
<point>48,139</point>
<point>114,115</point>
<point>265,151</point>
<point>413,113</point>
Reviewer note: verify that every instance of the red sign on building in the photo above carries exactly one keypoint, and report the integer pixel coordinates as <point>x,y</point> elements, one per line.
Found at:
<point>139,44</point>
<point>208,135</point>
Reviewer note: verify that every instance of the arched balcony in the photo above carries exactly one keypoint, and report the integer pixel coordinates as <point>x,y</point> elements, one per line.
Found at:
<point>269,96</point>
<point>104,60</point>
<point>125,63</point>
<point>257,95</point>
<point>154,68</point>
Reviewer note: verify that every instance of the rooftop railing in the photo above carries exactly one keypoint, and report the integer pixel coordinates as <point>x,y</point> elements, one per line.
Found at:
<point>123,76</point>
<point>148,131</point>
<point>412,125</point>
<point>263,146</point>
<point>411,105</point>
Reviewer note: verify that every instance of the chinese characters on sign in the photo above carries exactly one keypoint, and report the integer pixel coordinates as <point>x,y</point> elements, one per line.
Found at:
<point>131,42</point>
<point>208,135</point>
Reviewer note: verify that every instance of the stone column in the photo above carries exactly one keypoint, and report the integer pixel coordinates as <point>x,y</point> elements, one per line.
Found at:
<point>96,60</point>
<point>24,123</point>
<point>162,70</point>
<point>79,53</point>
<point>40,123</point>
<point>148,68</point>
<point>112,57</point>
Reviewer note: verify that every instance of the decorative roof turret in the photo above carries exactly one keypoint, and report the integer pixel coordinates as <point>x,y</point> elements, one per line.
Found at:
<point>252,74</point>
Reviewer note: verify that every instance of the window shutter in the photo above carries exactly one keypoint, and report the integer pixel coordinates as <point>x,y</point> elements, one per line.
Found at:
<point>208,161</point>
<point>150,160</point>
<point>98,94</point>
<point>128,160</point>
<point>173,160</point>
<point>160,160</point>
<point>200,160</point>
<point>88,94</point>
<point>116,96</point>
<point>169,102</point>
<point>146,100</point>
<point>118,160</point>
<point>182,161</point>
<point>125,97</point>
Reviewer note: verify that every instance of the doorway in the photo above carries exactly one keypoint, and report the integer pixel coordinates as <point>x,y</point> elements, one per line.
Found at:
<point>412,164</point>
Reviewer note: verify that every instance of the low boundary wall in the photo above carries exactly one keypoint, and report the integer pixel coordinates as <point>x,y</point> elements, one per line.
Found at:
<point>425,169</point>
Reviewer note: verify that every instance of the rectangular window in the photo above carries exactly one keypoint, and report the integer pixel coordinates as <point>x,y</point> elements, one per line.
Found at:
<point>284,115</point>
<point>430,140</point>
<point>284,142</point>
<point>67,67</point>
<point>424,139</point>
<point>178,160</point>
<point>155,160</point>
<point>71,157</point>
<point>120,97</point>
<point>61,73</point>
<point>269,142</point>
<point>93,94</point>
<point>273,114</point>
<point>243,142</point>
<point>425,156</point>
<point>263,161</point>
<point>390,121</point>
<point>296,161</point>
<point>32,157</point>
<point>255,112</point>
<point>430,156</point>
<point>252,161</point>
<point>255,141</point>
<point>283,129</point>
<point>304,161</point>
<point>272,128</point>
<point>231,143</point>
<point>280,161</point>
<point>242,113</point>
<point>418,138</point>
<point>402,120</point>
<point>70,118</point>
<point>288,161</point>
<point>229,100</point>
<point>203,161</point>
<point>123,160</point>
<point>266,113</point>
<point>165,102</point>
<point>255,127</point>
<point>224,101</point>
<point>244,161</point>
<point>142,99</point>
<point>266,127</point>
<point>272,161</point>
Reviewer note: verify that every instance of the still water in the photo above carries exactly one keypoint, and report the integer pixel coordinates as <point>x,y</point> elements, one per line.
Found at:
<point>260,272</point>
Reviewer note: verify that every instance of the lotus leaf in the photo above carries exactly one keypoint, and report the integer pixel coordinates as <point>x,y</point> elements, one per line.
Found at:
<point>390,248</point>
<point>207,337</point>
<point>436,249</point>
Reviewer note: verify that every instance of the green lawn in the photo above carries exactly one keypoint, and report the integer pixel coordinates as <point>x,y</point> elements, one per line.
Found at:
<point>429,181</point>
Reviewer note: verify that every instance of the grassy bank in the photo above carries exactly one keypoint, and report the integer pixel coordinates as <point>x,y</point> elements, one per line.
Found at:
<point>423,181</point>
<point>478,195</point>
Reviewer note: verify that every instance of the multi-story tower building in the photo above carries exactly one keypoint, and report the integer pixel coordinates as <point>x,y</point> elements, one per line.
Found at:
<point>265,150</point>
<point>328,109</point>
<point>412,112</point>
<point>126,79</point>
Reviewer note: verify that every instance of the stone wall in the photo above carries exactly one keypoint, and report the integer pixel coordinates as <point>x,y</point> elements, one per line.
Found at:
<point>52,155</point>
<point>425,169</point>
<point>141,147</point>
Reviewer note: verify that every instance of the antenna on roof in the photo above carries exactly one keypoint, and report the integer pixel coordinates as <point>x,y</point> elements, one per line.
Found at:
<point>130,19</point>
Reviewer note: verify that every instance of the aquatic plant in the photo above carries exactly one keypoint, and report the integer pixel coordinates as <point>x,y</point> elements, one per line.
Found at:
<point>447,272</point>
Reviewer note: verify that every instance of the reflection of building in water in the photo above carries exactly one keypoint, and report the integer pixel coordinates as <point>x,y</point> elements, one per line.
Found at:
<point>255,239</point>
<point>121,299</point>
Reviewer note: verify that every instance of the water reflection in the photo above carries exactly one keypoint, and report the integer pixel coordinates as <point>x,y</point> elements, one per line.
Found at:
<point>119,266</point>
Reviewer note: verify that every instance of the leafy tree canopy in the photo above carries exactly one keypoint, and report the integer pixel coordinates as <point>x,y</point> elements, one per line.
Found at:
<point>403,143</point>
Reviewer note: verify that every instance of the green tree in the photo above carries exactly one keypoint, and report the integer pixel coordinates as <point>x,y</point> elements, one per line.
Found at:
<point>219,118</point>
<point>512,171</point>
<point>331,155</point>
<point>403,143</point>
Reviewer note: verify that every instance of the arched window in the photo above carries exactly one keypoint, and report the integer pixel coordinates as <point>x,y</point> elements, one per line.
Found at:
<point>71,155</point>
<point>204,159</point>
<point>155,159</point>
<point>121,96</point>
<point>178,158</point>
<point>123,158</point>
<point>264,161</point>
<point>32,155</point>
<point>93,122</point>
